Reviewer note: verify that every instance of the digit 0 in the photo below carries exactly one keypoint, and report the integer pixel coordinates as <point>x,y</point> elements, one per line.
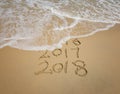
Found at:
<point>57,52</point>
<point>57,67</point>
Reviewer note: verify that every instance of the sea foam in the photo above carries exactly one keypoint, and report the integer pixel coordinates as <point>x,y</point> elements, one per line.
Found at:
<point>47,24</point>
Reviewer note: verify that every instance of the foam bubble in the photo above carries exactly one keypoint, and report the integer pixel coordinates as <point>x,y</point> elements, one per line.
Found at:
<point>47,24</point>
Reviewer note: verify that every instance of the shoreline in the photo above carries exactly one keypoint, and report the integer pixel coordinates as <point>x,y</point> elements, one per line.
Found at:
<point>63,41</point>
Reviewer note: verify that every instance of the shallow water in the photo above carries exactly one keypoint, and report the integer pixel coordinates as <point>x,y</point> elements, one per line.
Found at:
<point>47,24</point>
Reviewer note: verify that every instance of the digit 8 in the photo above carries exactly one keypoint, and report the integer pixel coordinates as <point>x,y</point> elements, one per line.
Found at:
<point>80,70</point>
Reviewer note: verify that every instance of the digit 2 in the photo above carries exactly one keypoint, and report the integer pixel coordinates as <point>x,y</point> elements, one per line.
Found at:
<point>45,55</point>
<point>44,68</point>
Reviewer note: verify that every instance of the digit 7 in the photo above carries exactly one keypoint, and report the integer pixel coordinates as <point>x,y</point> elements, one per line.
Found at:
<point>77,51</point>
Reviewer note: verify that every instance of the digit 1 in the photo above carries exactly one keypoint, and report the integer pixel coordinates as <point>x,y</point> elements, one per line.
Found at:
<point>66,54</point>
<point>66,67</point>
<point>67,43</point>
<point>78,52</point>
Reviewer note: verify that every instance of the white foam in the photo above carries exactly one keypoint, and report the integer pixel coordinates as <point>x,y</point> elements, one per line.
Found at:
<point>47,24</point>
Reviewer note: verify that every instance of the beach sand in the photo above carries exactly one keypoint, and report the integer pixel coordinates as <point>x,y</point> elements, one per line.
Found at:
<point>89,65</point>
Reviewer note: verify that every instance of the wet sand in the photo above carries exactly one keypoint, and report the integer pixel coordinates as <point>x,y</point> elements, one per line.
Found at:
<point>90,66</point>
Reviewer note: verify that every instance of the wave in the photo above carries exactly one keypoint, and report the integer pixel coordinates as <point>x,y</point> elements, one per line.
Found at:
<point>47,24</point>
